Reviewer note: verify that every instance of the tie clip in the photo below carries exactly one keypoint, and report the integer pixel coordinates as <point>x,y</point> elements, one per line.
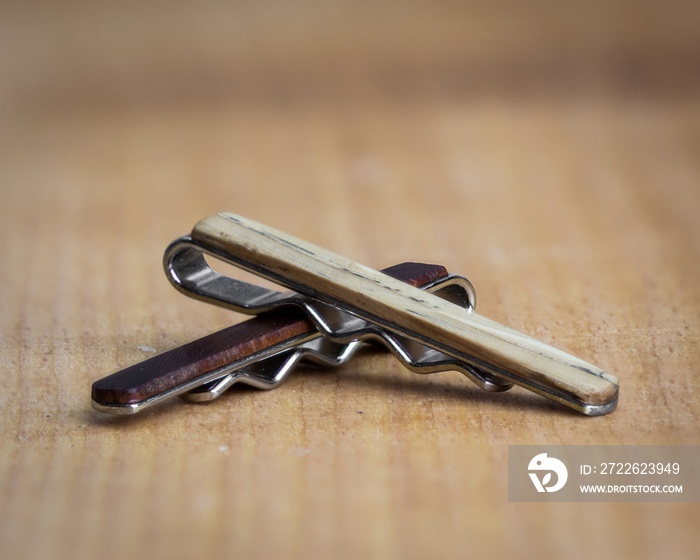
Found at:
<point>424,315</point>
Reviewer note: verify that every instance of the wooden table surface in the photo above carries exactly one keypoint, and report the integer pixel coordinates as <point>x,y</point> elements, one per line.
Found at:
<point>549,151</point>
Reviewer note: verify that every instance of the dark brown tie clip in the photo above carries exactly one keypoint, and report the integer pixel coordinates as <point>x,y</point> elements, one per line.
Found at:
<point>421,313</point>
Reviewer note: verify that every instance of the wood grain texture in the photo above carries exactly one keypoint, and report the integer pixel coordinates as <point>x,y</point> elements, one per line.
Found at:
<point>162,373</point>
<point>546,150</point>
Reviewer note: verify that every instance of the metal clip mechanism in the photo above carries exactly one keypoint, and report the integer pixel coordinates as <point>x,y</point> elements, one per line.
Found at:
<point>421,313</point>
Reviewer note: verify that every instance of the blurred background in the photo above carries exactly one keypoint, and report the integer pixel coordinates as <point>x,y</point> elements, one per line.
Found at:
<point>339,119</point>
<point>340,54</point>
<point>547,149</point>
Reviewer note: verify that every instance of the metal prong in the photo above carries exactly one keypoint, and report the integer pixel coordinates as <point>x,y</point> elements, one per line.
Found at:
<point>269,373</point>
